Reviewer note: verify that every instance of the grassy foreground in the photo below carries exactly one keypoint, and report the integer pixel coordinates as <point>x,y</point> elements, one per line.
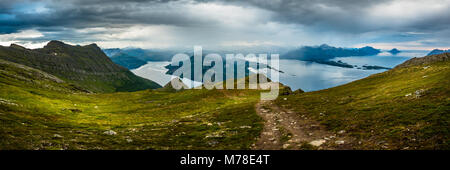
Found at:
<point>404,108</point>
<point>37,111</point>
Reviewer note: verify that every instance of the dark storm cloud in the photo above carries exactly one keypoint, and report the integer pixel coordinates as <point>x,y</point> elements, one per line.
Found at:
<point>291,21</point>
<point>336,15</point>
<point>344,15</point>
<point>91,13</point>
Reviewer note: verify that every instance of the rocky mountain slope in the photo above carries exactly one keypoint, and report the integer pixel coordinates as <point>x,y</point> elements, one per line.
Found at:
<point>85,66</point>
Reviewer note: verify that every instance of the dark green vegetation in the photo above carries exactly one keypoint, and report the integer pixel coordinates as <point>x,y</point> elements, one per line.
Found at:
<point>84,66</point>
<point>127,61</point>
<point>143,54</point>
<point>407,107</point>
<point>40,111</point>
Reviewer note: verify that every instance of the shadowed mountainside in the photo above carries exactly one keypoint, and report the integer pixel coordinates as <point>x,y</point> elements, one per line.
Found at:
<point>84,66</point>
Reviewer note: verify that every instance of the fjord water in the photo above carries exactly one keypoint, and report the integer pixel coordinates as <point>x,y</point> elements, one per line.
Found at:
<point>156,71</point>
<point>308,76</point>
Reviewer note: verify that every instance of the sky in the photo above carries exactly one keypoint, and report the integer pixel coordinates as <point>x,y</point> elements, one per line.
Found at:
<point>227,24</point>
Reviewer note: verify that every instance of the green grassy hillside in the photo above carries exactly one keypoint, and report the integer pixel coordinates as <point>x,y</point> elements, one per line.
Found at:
<point>405,108</point>
<point>40,111</point>
<point>86,66</point>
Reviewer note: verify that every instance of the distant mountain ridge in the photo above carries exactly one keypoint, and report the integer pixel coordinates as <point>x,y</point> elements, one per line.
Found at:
<point>394,51</point>
<point>86,66</point>
<point>438,51</point>
<point>133,58</point>
<point>127,61</point>
<point>142,54</point>
<point>325,52</point>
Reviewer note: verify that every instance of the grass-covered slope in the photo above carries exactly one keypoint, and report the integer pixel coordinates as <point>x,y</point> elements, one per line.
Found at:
<point>40,111</point>
<point>405,108</point>
<point>85,66</point>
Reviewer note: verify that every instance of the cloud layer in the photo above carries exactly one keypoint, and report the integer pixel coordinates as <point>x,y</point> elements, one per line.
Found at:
<point>411,24</point>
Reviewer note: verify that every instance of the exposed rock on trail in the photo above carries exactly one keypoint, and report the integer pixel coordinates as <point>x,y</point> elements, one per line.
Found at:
<point>284,129</point>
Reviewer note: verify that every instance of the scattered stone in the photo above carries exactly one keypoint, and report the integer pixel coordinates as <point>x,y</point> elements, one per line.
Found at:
<point>243,127</point>
<point>426,67</point>
<point>7,102</point>
<point>317,142</point>
<point>129,140</point>
<point>409,94</point>
<point>339,142</point>
<point>285,98</point>
<point>110,132</point>
<point>424,76</point>
<point>341,132</point>
<point>419,93</point>
<point>285,146</point>
<point>268,133</point>
<point>209,124</point>
<point>212,143</point>
<point>57,136</point>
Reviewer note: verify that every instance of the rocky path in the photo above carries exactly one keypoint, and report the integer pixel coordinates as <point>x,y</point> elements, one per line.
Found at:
<point>285,129</point>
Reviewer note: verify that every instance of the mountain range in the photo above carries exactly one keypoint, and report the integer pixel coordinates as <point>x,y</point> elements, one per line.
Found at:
<point>325,52</point>
<point>438,51</point>
<point>44,104</point>
<point>84,66</point>
<point>394,51</point>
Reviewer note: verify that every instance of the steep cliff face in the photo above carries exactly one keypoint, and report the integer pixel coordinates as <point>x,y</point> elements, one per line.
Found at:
<point>86,66</point>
